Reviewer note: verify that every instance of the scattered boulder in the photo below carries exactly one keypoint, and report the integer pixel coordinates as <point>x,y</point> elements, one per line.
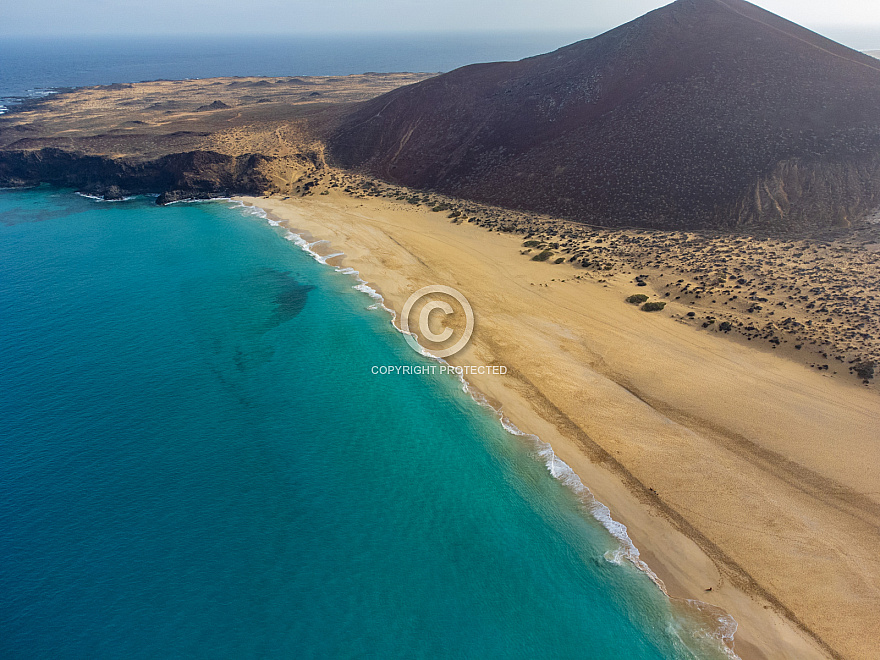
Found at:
<point>113,193</point>
<point>170,196</point>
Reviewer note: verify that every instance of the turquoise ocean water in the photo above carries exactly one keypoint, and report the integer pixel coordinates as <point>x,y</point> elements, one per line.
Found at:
<point>196,461</point>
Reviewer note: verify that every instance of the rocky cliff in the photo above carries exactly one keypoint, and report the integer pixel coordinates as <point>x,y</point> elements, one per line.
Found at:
<point>194,174</point>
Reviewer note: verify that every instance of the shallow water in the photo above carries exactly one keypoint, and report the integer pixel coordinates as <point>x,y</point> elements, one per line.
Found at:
<point>196,460</point>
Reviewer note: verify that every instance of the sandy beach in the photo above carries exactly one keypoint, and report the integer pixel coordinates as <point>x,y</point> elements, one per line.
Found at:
<point>747,480</point>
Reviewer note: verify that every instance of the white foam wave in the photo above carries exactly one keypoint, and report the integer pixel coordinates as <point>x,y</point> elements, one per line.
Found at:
<point>252,210</point>
<point>561,471</point>
<point>38,92</point>
<point>721,631</point>
<point>41,92</point>
<point>616,557</point>
<point>558,468</point>
<point>306,247</point>
<point>324,259</point>
<point>203,201</point>
<point>99,198</point>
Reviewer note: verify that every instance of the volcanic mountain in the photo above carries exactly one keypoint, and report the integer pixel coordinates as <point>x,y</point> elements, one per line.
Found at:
<point>704,113</point>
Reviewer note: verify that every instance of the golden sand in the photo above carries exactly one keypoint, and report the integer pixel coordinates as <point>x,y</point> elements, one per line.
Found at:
<point>734,469</point>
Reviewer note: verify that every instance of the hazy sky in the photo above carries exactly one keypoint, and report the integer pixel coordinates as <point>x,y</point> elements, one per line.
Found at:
<point>58,17</point>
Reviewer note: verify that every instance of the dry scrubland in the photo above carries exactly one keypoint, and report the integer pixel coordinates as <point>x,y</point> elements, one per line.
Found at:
<point>814,300</point>
<point>181,138</point>
<point>143,120</point>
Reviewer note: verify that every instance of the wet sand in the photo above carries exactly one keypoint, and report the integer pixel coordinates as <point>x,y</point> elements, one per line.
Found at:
<point>735,469</point>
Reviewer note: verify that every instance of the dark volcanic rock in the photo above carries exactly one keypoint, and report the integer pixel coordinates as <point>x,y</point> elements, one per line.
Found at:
<point>170,196</point>
<point>216,105</point>
<point>113,193</point>
<point>705,113</point>
<point>187,175</point>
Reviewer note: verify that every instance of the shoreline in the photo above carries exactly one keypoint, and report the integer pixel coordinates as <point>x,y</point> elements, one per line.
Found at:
<point>723,626</point>
<point>386,244</point>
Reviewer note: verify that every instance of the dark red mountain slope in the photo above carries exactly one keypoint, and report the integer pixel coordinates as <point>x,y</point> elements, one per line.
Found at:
<point>704,113</point>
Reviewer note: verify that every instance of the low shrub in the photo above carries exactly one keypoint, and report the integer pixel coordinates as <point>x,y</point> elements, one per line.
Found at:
<point>865,370</point>
<point>637,299</point>
<point>543,256</point>
<point>653,306</point>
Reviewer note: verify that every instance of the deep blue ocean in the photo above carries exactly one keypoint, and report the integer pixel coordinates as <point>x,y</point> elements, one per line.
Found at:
<point>30,66</point>
<point>196,460</point>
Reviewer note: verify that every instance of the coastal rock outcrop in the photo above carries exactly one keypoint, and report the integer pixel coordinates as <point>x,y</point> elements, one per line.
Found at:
<point>196,174</point>
<point>113,193</point>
